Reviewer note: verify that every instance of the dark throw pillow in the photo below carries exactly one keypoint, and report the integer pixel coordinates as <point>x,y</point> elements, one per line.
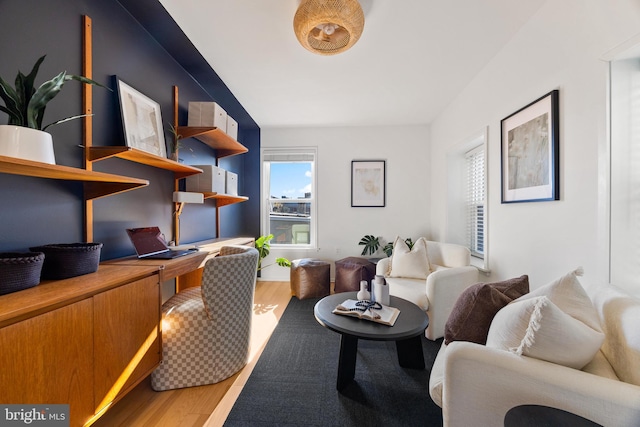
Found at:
<point>475,308</point>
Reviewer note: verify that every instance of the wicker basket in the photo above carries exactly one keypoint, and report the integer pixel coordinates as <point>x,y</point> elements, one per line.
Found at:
<point>65,260</point>
<point>19,270</point>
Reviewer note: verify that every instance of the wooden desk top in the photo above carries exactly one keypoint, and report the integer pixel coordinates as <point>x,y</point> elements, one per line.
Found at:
<point>172,268</point>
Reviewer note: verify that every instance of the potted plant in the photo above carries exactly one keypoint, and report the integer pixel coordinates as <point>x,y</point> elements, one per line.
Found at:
<point>24,135</point>
<point>371,245</point>
<point>263,245</point>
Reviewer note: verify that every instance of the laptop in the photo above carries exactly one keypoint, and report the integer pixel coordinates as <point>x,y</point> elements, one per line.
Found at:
<point>149,244</point>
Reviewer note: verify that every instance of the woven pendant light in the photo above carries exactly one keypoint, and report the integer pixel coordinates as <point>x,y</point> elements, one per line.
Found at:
<point>327,27</point>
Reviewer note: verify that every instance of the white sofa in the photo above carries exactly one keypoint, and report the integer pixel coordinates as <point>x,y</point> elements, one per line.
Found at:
<point>477,385</point>
<point>450,274</point>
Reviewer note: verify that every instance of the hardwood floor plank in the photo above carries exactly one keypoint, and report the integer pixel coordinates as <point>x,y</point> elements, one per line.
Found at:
<point>205,405</point>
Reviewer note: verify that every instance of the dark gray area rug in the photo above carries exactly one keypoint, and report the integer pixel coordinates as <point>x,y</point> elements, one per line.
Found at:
<point>294,381</point>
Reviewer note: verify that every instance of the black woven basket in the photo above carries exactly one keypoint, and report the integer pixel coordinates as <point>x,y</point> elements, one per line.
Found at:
<point>65,260</point>
<point>19,270</point>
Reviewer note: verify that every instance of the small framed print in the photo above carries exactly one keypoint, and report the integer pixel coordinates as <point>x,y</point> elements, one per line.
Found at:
<point>141,121</point>
<point>530,152</point>
<point>368,182</point>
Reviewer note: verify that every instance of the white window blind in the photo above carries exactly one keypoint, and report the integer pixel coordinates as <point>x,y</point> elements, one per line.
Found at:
<point>475,200</point>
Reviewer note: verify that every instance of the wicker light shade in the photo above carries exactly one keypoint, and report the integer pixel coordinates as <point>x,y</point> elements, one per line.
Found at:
<point>327,27</point>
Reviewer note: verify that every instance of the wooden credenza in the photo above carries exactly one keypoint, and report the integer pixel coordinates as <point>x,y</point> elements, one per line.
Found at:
<point>85,341</point>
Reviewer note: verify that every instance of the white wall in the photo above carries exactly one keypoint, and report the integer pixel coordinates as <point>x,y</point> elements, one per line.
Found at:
<point>561,47</point>
<point>340,227</point>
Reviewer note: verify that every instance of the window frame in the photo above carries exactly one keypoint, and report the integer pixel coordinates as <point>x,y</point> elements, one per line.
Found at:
<point>266,199</point>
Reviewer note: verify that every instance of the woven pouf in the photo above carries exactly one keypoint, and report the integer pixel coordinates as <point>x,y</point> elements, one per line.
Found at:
<point>350,271</point>
<point>310,278</point>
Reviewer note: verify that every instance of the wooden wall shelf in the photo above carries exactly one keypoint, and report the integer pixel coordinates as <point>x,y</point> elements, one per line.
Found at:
<point>215,138</point>
<point>134,155</point>
<point>96,184</point>
<point>224,199</point>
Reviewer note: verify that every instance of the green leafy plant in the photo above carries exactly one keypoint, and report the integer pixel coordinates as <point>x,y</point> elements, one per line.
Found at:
<point>25,105</point>
<point>372,244</point>
<point>263,245</point>
<point>176,144</point>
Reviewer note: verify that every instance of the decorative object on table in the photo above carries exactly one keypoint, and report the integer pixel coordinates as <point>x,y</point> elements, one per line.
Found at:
<point>141,121</point>
<point>328,27</point>
<point>531,152</point>
<point>368,181</point>
<point>368,310</point>
<point>363,293</point>
<point>24,135</point>
<point>263,245</point>
<point>380,290</point>
<point>65,260</point>
<point>19,270</point>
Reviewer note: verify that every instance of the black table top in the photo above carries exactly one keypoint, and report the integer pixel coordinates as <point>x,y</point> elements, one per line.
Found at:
<point>411,321</point>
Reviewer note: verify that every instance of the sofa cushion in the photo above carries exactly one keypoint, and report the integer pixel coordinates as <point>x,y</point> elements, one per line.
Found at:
<point>475,308</point>
<point>410,289</point>
<point>436,378</point>
<point>410,263</point>
<point>538,328</point>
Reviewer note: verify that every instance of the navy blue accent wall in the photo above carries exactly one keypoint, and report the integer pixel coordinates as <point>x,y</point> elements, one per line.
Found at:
<point>138,42</point>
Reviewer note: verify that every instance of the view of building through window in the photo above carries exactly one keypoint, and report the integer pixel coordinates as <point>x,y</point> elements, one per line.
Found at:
<point>290,199</point>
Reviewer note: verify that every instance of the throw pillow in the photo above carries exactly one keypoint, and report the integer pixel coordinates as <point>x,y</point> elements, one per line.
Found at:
<point>538,328</point>
<point>476,306</point>
<point>572,339</point>
<point>410,263</point>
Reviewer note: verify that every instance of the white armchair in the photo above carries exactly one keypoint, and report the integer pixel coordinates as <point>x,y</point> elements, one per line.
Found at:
<point>477,385</point>
<point>450,274</point>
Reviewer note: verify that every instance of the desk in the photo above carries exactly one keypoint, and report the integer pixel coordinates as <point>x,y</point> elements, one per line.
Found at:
<point>187,270</point>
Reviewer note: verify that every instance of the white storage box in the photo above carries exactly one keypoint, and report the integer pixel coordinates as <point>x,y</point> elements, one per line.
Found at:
<point>211,180</point>
<point>231,184</point>
<point>232,128</point>
<point>207,114</point>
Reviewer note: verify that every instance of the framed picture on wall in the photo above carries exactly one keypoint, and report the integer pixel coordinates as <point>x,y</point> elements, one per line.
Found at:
<point>368,181</point>
<point>530,152</point>
<point>141,121</point>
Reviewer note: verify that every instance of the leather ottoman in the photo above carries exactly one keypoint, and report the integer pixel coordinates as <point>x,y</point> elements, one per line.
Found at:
<point>350,271</point>
<point>310,278</point>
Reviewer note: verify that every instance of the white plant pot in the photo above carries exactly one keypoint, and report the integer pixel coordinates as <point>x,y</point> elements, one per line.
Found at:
<point>26,143</point>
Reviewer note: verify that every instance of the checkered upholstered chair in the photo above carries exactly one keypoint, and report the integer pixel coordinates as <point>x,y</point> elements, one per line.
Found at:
<point>206,330</point>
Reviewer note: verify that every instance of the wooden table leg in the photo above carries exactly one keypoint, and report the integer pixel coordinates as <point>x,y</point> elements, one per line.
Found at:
<point>410,353</point>
<point>347,360</point>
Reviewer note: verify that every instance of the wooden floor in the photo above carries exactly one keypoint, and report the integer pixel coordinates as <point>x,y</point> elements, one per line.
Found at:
<point>206,405</point>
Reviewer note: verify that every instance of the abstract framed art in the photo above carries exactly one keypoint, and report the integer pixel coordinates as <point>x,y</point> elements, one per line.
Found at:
<point>530,152</point>
<point>141,121</point>
<point>368,183</point>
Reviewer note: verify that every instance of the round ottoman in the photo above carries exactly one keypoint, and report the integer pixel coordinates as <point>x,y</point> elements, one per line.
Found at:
<point>310,278</point>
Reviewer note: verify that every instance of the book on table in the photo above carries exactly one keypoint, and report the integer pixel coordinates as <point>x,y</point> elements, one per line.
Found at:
<point>367,310</point>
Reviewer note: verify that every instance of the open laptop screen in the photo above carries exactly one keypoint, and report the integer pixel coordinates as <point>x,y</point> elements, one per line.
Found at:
<point>147,240</point>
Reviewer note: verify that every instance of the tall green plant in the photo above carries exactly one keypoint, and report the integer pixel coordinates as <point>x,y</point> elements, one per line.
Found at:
<point>263,245</point>
<point>25,105</point>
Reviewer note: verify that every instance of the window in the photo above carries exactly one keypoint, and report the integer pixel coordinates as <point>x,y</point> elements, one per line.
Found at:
<point>289,194</point>
<point>475,186</point>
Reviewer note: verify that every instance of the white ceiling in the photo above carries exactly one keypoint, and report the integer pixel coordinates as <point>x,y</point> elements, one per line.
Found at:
<point>413,59</point>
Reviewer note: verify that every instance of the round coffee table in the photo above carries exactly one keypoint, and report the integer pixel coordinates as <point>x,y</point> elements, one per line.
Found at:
<point>406,332</point>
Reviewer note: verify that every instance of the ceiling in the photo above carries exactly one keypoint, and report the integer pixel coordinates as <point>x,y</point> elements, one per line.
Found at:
<point>413,58</point>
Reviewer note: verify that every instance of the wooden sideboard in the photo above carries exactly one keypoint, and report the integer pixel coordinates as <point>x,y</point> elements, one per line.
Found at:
<point>85,341</point>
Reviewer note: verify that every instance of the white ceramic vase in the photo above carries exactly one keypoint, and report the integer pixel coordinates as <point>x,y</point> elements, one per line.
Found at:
<point>26,143</point>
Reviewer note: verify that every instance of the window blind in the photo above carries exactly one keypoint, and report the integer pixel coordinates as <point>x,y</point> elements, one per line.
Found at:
<point>475,198</point>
